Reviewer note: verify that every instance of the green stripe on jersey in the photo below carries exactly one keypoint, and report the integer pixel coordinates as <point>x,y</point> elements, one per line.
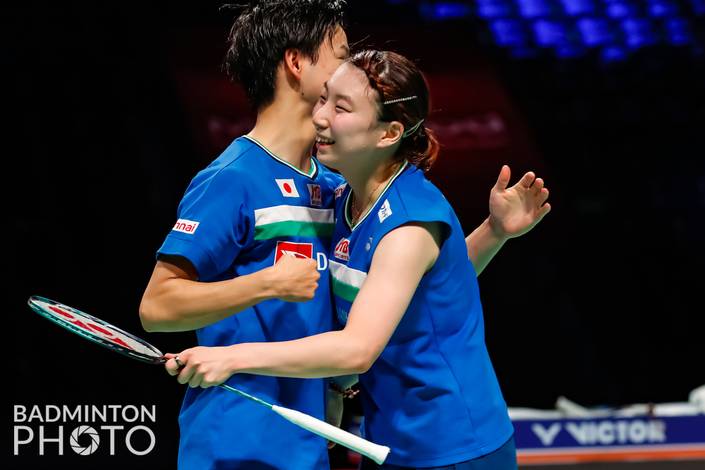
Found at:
<point>344,291</point>
<point>293,221</point>
<point>293,229</point>
<point>346,281</point>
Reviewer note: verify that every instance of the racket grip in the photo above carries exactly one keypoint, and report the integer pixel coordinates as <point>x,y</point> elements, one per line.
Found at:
<point>369,449</point>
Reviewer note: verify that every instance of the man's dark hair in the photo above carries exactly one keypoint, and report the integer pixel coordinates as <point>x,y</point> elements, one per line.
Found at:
<point>266,29</point>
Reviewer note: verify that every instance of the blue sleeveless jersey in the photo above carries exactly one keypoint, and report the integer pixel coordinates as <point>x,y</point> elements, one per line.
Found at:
<point>432,395</point>
<point>239,215</point>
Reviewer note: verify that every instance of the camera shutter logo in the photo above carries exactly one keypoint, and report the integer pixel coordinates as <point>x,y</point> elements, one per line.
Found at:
<point>89,432</point>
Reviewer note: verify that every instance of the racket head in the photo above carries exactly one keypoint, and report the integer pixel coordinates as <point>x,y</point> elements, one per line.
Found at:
<point>96,330</point>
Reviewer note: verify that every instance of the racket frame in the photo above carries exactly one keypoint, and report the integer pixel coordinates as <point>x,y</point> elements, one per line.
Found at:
<point>36,303</point>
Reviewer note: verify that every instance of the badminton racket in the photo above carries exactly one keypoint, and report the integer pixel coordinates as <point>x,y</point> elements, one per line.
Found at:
<point>109,336</point>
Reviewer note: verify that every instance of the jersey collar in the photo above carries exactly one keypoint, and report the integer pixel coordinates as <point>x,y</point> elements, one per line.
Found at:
<point>346,207</point>
<point>311,174</point>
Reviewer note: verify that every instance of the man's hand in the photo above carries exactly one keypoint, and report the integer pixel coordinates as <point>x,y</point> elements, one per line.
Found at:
<point>516,210</point>
<point>294,279</point>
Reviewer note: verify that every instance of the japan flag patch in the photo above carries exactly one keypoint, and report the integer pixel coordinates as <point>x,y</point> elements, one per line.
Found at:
<point>287,187</point>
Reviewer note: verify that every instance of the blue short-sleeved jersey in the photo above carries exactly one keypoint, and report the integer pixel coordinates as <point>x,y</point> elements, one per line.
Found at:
<point>239,215</point>
<point>432,395</point>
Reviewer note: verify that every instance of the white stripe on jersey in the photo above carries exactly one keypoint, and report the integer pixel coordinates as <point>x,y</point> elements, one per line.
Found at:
<point>346,275</point>
<point>284,213</point>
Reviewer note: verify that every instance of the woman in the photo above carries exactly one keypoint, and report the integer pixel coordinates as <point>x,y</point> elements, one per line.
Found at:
<point>404,288</point>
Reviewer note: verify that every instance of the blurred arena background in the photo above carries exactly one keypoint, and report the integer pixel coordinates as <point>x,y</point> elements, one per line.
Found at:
<point>111,108</point>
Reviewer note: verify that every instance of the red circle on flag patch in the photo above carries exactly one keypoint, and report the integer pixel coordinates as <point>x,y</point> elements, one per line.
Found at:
<point>286,187</point>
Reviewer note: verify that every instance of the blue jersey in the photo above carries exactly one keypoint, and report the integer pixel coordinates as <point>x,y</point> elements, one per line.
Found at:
<point>432,395</point>
<point>239,215</point>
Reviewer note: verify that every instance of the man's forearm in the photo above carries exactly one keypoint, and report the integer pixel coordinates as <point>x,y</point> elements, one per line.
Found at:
<point>184,305</point>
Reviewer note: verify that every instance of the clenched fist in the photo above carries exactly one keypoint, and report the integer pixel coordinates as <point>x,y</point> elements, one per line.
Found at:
<point>295,279</point>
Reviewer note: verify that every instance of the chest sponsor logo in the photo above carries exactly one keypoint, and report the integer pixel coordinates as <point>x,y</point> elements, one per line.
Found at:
<point>297,250</point>
<point>314,190</point>
<point>185,226</point>
<point>342,249</point>
<point>287,187</point>
<point>339,190</point>
<point>384,211</point>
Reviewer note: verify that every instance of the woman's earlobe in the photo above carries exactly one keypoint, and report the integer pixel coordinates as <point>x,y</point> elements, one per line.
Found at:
<point>395,132</point>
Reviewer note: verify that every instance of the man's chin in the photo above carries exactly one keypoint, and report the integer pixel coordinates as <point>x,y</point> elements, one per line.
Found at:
<point>328,159</point>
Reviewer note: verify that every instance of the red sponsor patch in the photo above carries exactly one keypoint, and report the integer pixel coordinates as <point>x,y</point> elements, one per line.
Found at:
<point>298,250</point>
<point>314,191</point>
<point>342,249</point>
<point>185,226</point>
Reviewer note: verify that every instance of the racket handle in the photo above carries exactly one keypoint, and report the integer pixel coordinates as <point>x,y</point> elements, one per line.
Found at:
<point>369,449</point>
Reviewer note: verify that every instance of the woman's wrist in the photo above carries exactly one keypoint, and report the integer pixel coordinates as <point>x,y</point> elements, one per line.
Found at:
<point>495,229</point>
<point>235,362</point>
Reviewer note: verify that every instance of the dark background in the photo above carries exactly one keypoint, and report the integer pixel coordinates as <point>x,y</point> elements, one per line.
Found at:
<point>110,109</point>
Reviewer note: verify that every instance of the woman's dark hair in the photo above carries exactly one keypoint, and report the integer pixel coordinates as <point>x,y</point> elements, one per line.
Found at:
<point>394,77</point>
<point>265,29</point>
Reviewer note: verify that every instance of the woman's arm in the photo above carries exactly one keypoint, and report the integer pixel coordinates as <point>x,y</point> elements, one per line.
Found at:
<point>400,260</point>
<point>513,212</point>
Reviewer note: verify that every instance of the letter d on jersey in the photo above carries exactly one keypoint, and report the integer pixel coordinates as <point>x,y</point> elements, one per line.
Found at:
<point>322,260</point>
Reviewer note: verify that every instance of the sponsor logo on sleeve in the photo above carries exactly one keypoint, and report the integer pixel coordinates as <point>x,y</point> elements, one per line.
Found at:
<point>314,190</point>
<point>342,249</point>
<point>287,187</point>
<point>185,226</point>
<point>297,250</point>
<point>384,211</point>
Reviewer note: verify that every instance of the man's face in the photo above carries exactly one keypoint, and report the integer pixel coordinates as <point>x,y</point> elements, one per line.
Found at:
<point>332,52</point>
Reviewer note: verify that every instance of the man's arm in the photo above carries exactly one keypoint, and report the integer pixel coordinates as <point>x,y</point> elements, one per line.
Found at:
<point>398,264</point>
<point>513,212</point>
<point>176,301</point>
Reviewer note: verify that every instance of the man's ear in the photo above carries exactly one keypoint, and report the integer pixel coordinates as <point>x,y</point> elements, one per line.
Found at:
<point>392,134</point>
<point>293,62</point>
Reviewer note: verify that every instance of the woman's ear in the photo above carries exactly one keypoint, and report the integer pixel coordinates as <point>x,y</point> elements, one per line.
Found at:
<point>393,133</point>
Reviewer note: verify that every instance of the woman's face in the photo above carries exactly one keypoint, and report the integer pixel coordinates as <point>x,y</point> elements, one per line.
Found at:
<point>348,131</point>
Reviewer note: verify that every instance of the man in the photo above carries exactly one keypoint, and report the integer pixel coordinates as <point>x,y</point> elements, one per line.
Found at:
<point>253,229</point>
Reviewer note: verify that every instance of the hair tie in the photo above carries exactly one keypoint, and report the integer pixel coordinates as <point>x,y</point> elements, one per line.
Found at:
<point>413,129</point>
